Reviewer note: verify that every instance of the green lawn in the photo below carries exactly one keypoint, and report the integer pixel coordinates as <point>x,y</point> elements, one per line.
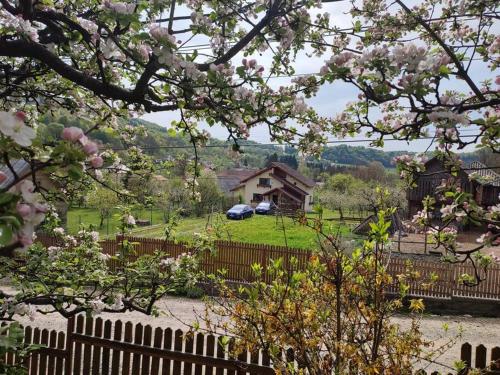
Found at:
<point>258,229</point>
<point>89,216</point>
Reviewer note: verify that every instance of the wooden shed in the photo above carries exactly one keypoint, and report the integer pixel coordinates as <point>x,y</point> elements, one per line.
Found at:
<point>485,188</point>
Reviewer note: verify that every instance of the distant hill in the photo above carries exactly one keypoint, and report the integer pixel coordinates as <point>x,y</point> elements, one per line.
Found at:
<point>359,155</point>
<point>163,144</point>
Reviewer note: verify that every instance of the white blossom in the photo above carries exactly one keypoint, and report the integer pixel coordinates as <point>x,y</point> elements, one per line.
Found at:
<point>12,125</point>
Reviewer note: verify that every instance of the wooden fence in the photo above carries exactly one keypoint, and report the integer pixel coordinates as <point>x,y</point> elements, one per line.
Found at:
<point>236,258</point>
<point>95,346</point>
<point>105,347</point>
<point>477,359</point>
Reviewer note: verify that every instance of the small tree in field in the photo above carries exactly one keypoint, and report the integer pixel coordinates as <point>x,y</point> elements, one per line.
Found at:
<point>104,201</point>
<point>211,198</point>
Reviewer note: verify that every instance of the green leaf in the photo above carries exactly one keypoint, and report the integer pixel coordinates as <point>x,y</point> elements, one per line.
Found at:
<point>5,235</point>
<point>75,172</point>
<point>444,70</point>
<point>7,198</point>
<point>357,26</point>
<point>241,71</point>
<point>12,220</point>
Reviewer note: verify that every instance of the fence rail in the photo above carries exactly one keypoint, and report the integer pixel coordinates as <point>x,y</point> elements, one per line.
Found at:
<point>236,258</point>
<point>105,347</point>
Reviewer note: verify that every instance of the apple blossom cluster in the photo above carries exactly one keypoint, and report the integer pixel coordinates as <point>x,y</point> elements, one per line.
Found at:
<point>75,135</point>
<point>19,25</point>
<point>98,305</point>
<point>11,307</point>
<point>191,184</point>
<point>450,211</point>
<point>119,7</point>
<point>31,208</point>
<point>446,236</point>
<point>174,264</point>
<point>129,220</point>
<point>408,165</point>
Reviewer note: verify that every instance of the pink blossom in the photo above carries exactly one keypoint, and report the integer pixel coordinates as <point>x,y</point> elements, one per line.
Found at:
<point>324,70</point>
<point>24,210</point>
<point>21,116</point>
<point>120,7</point>
<point>97,162</point>
<point>249,64</point>
<point>72,134</point>
<point>3,177</point>
<point>40,207</point>
<point>497,80</point>
<point>161,34</point>
<point>83,140</point>
<point>90,148</point>
<point>144,50</point>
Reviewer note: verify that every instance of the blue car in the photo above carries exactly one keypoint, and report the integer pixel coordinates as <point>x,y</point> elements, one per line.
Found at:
<point>265,208</point>
<point>239,212</point>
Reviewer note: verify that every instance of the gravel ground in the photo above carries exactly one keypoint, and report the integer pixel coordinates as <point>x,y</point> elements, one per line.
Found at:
<point>178,311</point>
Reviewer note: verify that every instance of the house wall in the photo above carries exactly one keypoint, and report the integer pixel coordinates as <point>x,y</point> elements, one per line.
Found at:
<point>309,199</point>
<point>250,188</point>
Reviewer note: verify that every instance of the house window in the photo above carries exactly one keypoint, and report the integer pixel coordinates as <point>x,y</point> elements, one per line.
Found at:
<point>257,198</point>
<point>266,182</point>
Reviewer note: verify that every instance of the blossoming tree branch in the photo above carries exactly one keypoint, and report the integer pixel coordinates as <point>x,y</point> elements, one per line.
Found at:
<point>424,70</point>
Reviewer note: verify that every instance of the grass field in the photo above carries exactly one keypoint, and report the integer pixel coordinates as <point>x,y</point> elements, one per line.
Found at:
<point>89,216</point>
<point>258,229</point>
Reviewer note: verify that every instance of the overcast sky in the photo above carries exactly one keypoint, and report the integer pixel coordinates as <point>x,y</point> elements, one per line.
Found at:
<point>331,99</point>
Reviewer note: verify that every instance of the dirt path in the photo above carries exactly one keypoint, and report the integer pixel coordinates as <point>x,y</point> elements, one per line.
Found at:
<point>476,331</point>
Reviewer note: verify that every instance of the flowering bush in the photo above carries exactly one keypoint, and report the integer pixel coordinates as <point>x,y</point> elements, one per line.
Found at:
<point>75,277</point>
<point>331,315</point>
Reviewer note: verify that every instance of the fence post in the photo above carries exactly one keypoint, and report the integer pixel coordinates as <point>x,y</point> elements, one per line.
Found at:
<point>70,327</point>
<point>495,358</point>
<point>264,261</point>
<point>399,240</point>
<point>425,239</point>
<point>480,357</point>
<point>466,357</point>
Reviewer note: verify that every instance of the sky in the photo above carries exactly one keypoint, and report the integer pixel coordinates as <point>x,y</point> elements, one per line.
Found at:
<point>330,100</point>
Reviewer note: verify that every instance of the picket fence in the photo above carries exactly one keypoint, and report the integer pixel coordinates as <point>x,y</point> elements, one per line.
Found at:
<point>94,346</point>
<point>236,257</point>
<point>97,346</point>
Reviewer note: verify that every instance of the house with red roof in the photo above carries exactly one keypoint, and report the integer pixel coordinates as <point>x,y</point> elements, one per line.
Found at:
<point>278,183</point>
